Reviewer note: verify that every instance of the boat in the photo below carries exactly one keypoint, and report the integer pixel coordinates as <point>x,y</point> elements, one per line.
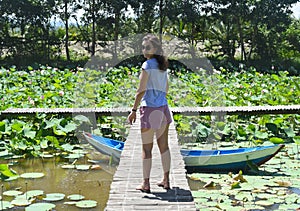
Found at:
<point>105,145</point>
<point>222,160</point>
<point>226,160</point>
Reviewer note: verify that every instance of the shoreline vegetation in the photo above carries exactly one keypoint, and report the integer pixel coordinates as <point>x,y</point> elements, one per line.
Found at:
<point>261,34</point>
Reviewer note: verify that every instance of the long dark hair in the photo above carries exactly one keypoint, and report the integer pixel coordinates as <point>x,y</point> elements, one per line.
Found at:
<point>159,55</point>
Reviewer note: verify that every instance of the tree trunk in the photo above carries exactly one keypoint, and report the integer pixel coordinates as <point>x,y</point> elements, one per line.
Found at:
<point>93,50</point>
<point>161,18</point>
<point>241,35</point>
<point>67,31</point>
<point>116,34</point>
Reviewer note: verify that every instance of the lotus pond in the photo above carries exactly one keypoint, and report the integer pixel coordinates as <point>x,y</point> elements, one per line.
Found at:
<point>76,181</point>
<point>65,178</point>
<point>276,186</point>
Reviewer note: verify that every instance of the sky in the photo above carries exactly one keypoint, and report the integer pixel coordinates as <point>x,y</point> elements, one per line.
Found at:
<point>296,10</point>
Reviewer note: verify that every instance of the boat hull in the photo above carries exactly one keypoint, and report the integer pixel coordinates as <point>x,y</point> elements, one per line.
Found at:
<point>106,146</point>
<point>224,161</point>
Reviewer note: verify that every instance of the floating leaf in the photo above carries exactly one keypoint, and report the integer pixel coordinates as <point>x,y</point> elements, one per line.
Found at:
<point>32,175</point>
<point>20,202</point>
<point>54,197</point>
<point>70,202</point>
<point>83,167</point>
<point>75,197</point>
<point>33,193</point>
<point>12,193</point>
<point>74,156</point>
<point>68,166</point>
<point>264,203</point>
<point>40,207</point>
<point>4,205</point>
<point>86,204</point>
<point>12,178</point>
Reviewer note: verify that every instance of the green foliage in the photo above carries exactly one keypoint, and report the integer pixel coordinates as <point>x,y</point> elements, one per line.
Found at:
<point>257,33</point>
<point>48,87</point>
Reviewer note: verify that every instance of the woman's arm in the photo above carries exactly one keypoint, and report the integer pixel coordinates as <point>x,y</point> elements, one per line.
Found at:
<point>138,96</point>
<point>141,90</point>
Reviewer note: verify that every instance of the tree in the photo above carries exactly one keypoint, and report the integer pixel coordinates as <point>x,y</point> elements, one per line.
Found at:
<point>66,9</point>
<point>27,28</point>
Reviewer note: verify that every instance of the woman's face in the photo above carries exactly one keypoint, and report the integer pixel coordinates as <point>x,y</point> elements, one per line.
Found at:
<point>148,49</point>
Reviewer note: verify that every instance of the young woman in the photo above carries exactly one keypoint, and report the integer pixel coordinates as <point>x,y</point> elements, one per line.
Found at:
<point>154,111</point>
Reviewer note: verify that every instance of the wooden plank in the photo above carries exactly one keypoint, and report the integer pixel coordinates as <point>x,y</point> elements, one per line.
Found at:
<point>128,176</point>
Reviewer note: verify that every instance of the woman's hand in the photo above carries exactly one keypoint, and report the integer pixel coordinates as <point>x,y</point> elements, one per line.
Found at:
<point>131,117</point>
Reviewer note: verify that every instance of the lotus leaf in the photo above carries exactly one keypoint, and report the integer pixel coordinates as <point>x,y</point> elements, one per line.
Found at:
<point>83,167</point>
<point>68,166</point>
<point>12,178</point>
<point>86,204</point>
<point>200,200</point>
<point>40,207</point>
<point>4,205</point>
<point>32,175</point>
<point>74,156</point>
<point>200,194</point>
<point>33,193</point>
<point>244,196</point>
<point>70,202</point>
<point>288,206</point>
<point>20,202</point>
<point>75,197</point>
<point>54,197</point>
<point>264,203</point>
<point>12,193</point>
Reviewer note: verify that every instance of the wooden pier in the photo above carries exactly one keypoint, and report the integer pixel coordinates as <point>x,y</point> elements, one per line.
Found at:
<point>128,176</point>
<point>187,111</point>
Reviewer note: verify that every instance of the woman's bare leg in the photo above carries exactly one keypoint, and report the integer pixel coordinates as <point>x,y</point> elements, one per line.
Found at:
<point>147,139</point>
<point>162,142</point>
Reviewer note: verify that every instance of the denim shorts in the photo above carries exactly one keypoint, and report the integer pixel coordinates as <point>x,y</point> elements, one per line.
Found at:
<point>155,117</point>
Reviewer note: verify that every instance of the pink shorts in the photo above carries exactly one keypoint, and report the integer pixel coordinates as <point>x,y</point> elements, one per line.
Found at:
<point>155,117</point>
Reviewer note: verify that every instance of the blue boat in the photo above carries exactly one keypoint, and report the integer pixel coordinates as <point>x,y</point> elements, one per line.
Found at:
<point>224,160</point>
<point>104,145</point>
